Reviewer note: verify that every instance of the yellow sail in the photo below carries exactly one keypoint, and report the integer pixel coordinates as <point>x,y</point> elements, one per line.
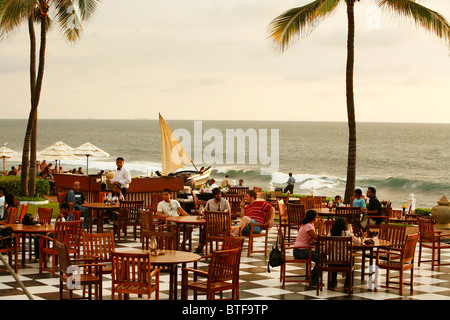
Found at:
<point>173,154</point>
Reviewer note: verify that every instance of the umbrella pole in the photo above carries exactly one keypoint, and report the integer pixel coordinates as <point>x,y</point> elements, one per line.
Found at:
<point>87,164</point>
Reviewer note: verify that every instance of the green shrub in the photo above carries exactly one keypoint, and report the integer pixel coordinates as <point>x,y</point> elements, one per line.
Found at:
<point>12,184</point>
<point>422,211</point>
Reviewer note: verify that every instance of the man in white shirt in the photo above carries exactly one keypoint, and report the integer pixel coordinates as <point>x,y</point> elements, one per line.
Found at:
<point>172,208</point>
<point>122,176</point>
<point>212,185</point>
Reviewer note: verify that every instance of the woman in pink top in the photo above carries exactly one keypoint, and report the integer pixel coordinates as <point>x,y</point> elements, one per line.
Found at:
<point>305,237</point>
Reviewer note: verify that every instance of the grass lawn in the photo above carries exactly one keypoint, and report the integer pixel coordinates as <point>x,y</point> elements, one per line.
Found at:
<point>33,208</point>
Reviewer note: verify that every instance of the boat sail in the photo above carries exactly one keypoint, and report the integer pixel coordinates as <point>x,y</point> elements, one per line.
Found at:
<point>175,157</point>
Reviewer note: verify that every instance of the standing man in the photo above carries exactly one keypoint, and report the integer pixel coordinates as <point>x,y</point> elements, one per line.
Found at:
<point>76,198</point>
<point>254,212</point>
<point>290,184</point>
<point>122,176</point>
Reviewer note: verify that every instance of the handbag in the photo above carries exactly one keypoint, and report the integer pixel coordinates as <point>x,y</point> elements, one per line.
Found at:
<point>28,220</point>
<point>275,257</point>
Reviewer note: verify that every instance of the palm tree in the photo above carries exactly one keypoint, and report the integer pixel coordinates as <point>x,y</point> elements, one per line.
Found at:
<point>299,22</point>
<point>12,14</point>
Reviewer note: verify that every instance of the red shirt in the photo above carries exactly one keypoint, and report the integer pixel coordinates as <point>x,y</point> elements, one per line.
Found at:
<point>256,211</point>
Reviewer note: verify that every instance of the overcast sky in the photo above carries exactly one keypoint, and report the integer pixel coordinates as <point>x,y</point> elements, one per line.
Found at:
<point>211,59</point>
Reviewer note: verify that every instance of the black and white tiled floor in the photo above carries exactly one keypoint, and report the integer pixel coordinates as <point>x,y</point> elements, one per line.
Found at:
<point>255,282</point>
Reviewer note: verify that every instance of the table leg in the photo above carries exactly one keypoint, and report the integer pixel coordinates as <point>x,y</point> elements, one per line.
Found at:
<point>99,221</point>
<point>24,250</point>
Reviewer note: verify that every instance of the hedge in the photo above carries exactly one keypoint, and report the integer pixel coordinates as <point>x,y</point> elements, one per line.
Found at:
<point>12,184</point>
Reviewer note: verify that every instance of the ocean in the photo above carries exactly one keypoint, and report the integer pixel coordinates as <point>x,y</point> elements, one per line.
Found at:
<point>398,159</point>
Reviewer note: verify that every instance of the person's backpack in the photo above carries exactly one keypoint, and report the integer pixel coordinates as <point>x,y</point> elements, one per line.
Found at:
<point>275,257</point>
<point>5,237</point>
<point>28,220</point>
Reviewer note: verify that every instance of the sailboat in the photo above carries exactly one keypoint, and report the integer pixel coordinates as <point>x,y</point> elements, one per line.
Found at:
<point>175,157</point>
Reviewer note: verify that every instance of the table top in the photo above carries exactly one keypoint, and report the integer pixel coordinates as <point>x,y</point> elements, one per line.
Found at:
<point>186,219</point>
<point>377,244</point>
<point>169,256</point>
<point>101,205</point>
<point>21,228</point>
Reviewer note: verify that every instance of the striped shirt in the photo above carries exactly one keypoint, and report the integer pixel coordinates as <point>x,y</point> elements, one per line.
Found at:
<point>256,211</point>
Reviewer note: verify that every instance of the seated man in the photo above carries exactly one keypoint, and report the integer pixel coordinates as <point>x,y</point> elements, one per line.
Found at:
<point>212,185</point>
<point>226,182</point>
<point>172,208</point>
<point>64,215</point>
<point>241,184</point>
<point>373,209</point>
<point>217,203</point>
<point>254,212</point>
<point>76,198</point>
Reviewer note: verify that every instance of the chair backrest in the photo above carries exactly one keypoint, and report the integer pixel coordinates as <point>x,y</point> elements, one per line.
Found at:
<point>165,240</point>
<point>281,209</point>
<point>76,214</point>
<point>12,217</point>
<point>323,227</point>
<point>409,247</point>
<point>68,232</point>
<point>350,214</point>
<point>99,245</point>
<point>395,234</point>
<point>309,203</point>
<point>426,229</point>
<point>194,197</point>
<point>335,250</point>
<point>232,243</point>
<point>147,222</point>
<point>131,268</point>
<point>224,266</point>
<point>102,195</point>
<point>62,197</point>
<point>23,212</point>
<point>386,209</point>
<point>63,256</point>
<point>218,223</point>
<point>238,190</point>
<point>156,198</point>
<point>234,200</point>
<point>130,210</point>
<point>295,213</point>
<point>257,189</point>
<point>395,214</point>
<point>44,215</point>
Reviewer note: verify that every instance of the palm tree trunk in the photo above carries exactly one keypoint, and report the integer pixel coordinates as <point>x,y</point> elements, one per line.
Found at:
<point>31,117</point>
<point>351,162</point>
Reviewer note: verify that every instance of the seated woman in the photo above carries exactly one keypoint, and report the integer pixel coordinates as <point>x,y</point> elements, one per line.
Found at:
<point>10,203</point>
<point>340,229</point>
<point>305,237</point>
<point>113,197</point>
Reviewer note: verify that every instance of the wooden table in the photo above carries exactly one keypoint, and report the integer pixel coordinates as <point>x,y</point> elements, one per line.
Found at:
<point>170,259</point>
<point>29,230</point>
<point>184,221</point>
<point>98,207</point>
<point>378,243</point>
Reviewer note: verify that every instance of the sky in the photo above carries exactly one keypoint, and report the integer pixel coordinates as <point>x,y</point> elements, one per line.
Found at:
<point>212,60</point>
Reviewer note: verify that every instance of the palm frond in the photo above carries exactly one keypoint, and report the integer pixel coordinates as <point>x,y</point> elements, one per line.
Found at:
<point>428,19</point>
<point>13,13</point>
<point>299,22</point>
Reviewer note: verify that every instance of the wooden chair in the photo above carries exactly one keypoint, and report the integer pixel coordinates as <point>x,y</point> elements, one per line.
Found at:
<point>295,215</point>
<point>197,204</point>
<point>238,190</point>
<point>257,189</point>
<point>335,254</point>
<point>11,249</point>
<point>99,246</point>
<point>234,200</point>
<point>67,232</point>
<point>350,214</point>
<point>156,197</point>
<point>309,203</point>
<point>128,215</point>
<point>264,233</point>
<point>44,215</point>
<point>62,198</point>
<point>404,261</point>
<point>221,275</point>
<point>287,249</point>
<point>132,274</point>
<point>165,240</point>
<point>323,227</point>
<point>283,218</point>
<point>23,212</point>
<point>86,278</point>
<point>432,240</point>
<point>217,227</point>
<point>12,218</point>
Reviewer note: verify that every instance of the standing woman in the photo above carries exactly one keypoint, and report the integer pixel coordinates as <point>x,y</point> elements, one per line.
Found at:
<point>305,237</point>
<point>10,203</point>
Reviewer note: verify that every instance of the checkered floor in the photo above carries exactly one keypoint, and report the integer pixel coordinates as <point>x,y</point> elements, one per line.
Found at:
<point>255,282</point>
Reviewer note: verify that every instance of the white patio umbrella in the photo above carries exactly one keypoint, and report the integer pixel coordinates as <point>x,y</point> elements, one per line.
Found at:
<point>6,153</point>
<point>58,151</point>
<point>88,149</point>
